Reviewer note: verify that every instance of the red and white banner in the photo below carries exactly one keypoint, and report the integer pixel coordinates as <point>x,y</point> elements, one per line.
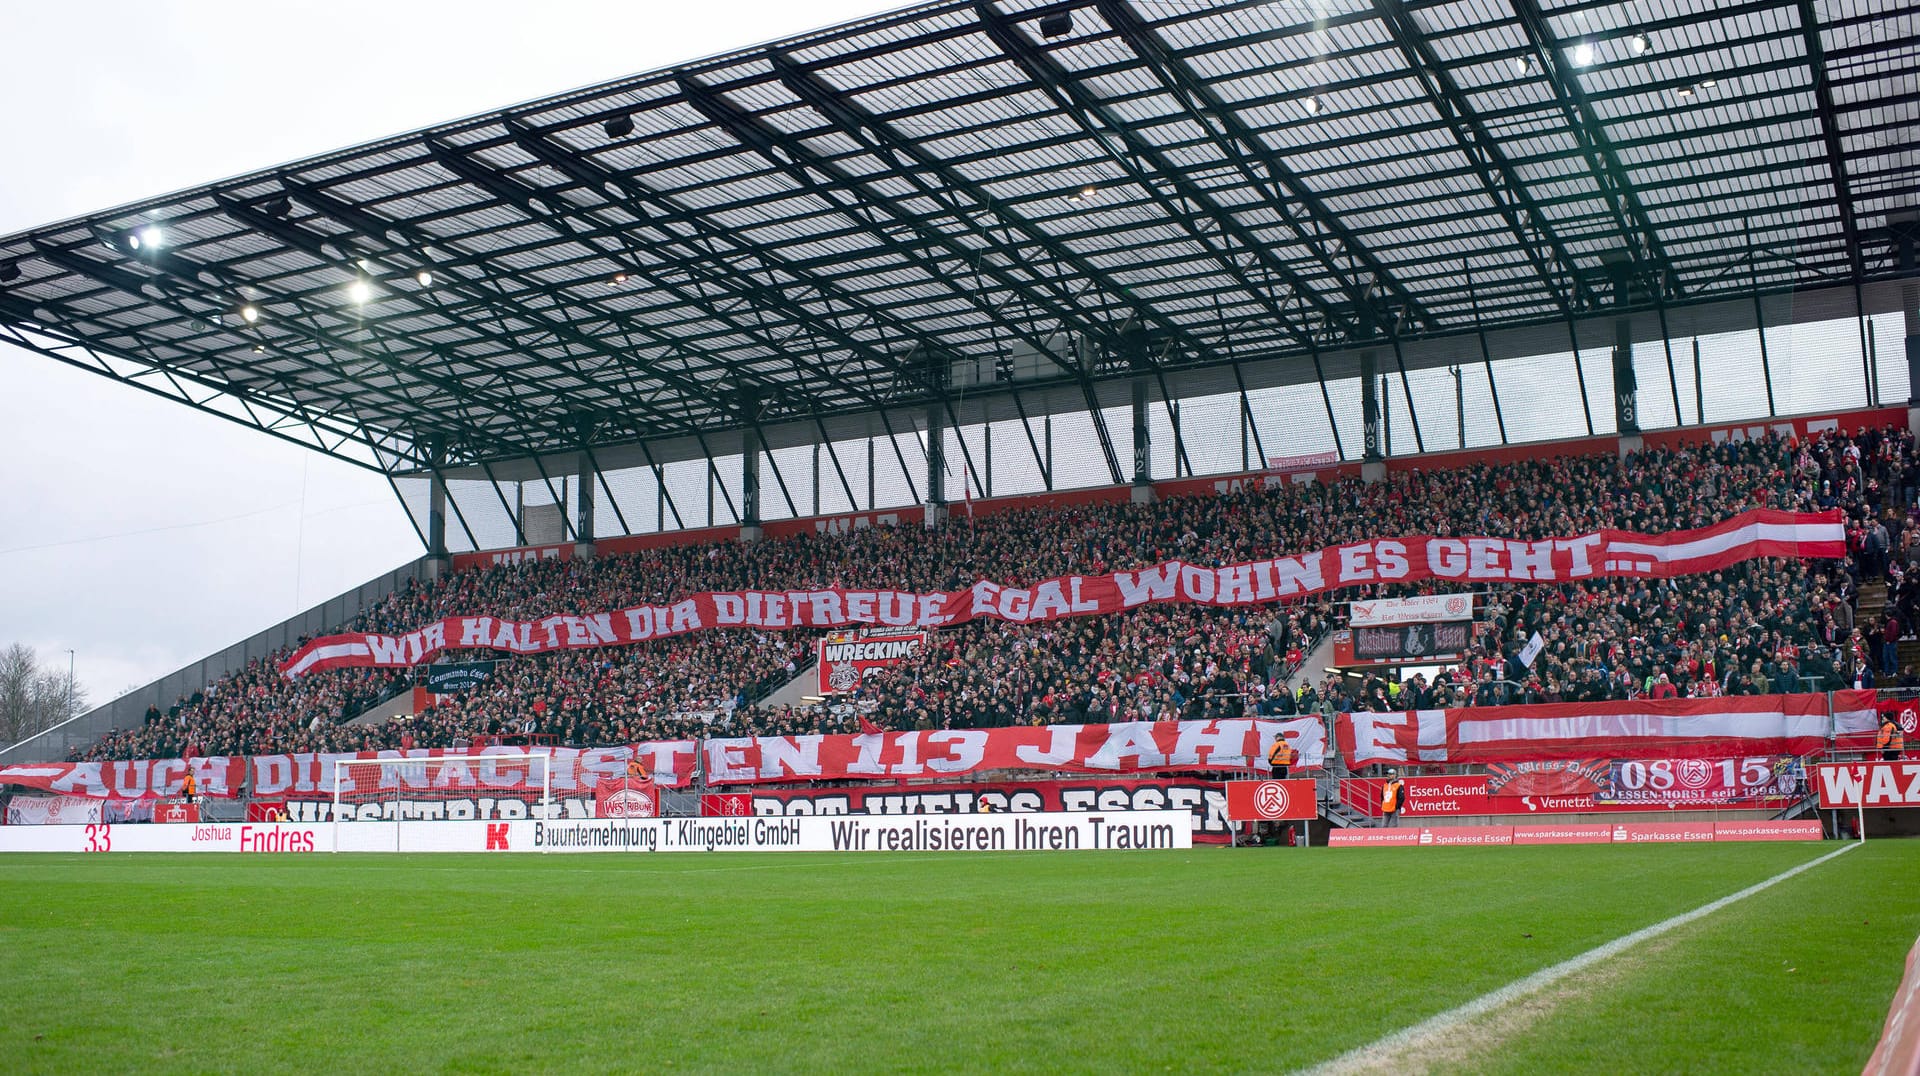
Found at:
<point>1424,609</point>
<point>1856,718</point>
<point>1601,833</point>
<point>217,775</point>
<point>1308,462</point>
<point>54,810</point>
<point>626,798</point>
<point>310,776</point>
<point>1669,728</point>
<point>844,662</point>
<point>1271,801</point>
<point>726,805</point>
<point>1132,747</point>
<point>1629,785</point>
<point>1073,796</point>
<point>1885,784</point>
<point>1757,533</point>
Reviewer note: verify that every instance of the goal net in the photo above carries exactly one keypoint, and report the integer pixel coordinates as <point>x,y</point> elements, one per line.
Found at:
<point>494,786</point>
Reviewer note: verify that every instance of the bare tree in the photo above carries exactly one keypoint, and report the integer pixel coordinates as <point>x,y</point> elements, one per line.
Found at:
<point>33,699</point>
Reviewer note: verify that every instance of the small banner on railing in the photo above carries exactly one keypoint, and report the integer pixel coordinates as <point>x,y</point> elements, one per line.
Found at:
<point>626,798</point>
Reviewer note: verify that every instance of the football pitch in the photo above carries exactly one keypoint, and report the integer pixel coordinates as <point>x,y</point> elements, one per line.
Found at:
<point>1249,960</point>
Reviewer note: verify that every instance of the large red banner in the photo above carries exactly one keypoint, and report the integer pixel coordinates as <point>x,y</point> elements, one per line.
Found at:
<point>1668,728</point>
<point>1075,795</point>
<point>1135,747</point>
<point>1131,747</point>
<point>310,775</point>
<point>1476,560</point>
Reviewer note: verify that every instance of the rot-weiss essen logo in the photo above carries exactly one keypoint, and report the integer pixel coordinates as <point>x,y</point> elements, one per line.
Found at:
<point>1270,799</point>
<point>1909,721</point>
<point>1694,773</point>
<point>1456,605</point>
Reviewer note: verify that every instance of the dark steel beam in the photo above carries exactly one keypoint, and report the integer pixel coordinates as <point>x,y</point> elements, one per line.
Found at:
<point>732,278</point>
<point>909,160</point>
<point>1830,133</point>
<point>1498,177</point>
<point>1078,104</point>
<point>800,163</point>
<point>1651,267</point>
<point>1251,157</point>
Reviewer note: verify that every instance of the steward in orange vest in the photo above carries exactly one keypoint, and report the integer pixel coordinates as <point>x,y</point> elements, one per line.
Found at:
<point>1280,756</point>
<point>1393,797</point>
<point>637,771</point>
<point>1892,741</point>
<point>187,787</point>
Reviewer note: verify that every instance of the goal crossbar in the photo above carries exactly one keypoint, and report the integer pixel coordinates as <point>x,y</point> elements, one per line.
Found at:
<point>513,775</point>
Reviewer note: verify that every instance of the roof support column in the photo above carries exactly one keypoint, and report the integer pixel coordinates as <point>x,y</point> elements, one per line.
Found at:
<point>586,475</point>
<point>1134,347</point>
<point>1626,387</point>
<point>1142,445</point>
<point>936,466</point>
<point>749,469</point>
<point>1904,232</point>
<point>436,502</point>
<point>1372,453</point>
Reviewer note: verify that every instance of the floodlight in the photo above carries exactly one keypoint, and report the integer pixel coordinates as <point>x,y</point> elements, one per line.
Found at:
<point>619,126</point>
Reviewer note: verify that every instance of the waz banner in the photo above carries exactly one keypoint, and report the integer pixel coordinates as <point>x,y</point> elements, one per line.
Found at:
<point>1669,728</point>
<point>1758,533</point>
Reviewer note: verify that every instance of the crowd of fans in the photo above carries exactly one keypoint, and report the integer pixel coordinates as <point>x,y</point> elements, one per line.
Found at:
<point>1765,626</point>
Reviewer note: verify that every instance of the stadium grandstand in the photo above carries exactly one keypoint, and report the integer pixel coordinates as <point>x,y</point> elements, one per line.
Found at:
<point>967,293</point>
<point>1458,411</point>
<point>983,272</point>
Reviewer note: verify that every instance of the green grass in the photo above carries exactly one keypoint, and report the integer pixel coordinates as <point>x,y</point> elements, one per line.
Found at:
<point>1217,959</point>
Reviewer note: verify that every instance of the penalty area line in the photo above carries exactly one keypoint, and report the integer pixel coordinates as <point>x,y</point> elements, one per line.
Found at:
<point>1378,1052</point>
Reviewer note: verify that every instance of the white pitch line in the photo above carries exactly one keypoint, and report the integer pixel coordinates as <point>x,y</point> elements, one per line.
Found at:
<point>1373,1054</point>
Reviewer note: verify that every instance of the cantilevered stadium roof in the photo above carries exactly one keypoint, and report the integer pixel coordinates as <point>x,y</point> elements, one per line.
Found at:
<point>1043,194</point>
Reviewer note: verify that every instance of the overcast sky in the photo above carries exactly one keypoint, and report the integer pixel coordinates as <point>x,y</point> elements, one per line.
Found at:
<point>144,535</point>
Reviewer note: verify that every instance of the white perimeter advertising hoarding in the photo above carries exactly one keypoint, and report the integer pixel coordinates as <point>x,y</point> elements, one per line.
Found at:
<point>1115,830</point>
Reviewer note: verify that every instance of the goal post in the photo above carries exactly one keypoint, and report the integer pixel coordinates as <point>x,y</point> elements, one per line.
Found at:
<point>499,785</point>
